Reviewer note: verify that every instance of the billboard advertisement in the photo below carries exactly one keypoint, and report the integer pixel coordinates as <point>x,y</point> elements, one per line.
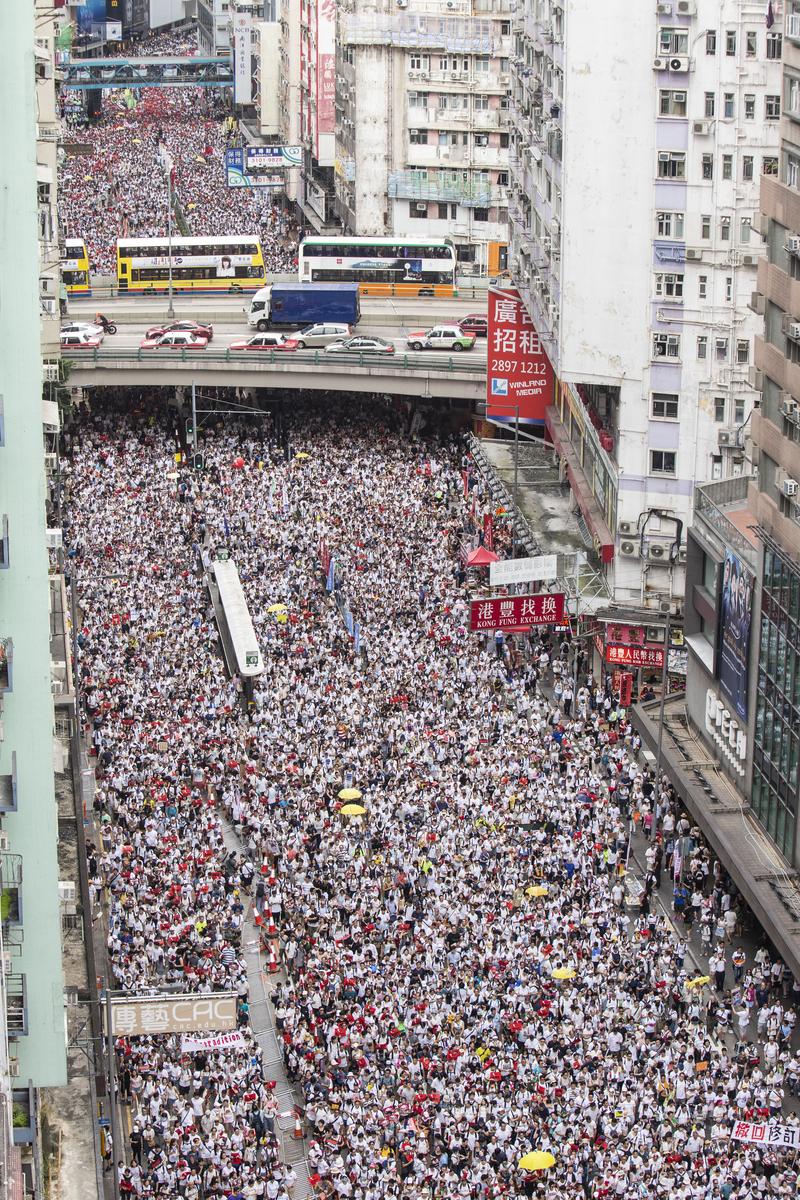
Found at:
<point>325,72</point>
<point>517,612</point>
<point>734,638</point>
<point>242,55</point>
<point>519,373</point>
<point>91,18</point>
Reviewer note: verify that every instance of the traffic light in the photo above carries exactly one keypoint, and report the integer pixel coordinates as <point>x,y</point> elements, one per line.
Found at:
<point>198,462</point>
<point>189,429</point>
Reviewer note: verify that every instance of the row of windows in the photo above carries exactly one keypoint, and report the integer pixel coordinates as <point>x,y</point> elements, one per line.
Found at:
<point>668,345</point>
<point>377,250</point>
<point>669,285</point>
<point>387,276</point>
<point>479,64</point>
<point>672,102</point>
<point>771,809</point>
<point>150,274</point>
<point>431,210</point>
<point>453,137</point>
<point>180,250</point>
<point>454,100</point>
<point>672,164</point>
<point>676,41</point>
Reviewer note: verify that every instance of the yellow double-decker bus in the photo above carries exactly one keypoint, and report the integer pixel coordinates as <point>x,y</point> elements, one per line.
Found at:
<point>198,264</point>
<point>75,267</point>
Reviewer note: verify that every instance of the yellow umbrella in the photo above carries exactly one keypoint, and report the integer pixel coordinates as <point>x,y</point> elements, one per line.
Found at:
<point>276,608</point>
<point>349,794</point>
<point>539,890</point>
<point>352,810</point>
<point>700,981</point>
<point>564,973</point>
<point>136,141</point>
<point>302,454</point>
<point>537,1160</point>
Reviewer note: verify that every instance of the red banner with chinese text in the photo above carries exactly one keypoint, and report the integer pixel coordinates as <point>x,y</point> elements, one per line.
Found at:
<point>517,612</point>
<point>519,374</point>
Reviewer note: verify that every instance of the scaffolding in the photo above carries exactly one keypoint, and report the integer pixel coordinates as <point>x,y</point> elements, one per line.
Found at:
<point>457,187</point>
<point>456,34</point>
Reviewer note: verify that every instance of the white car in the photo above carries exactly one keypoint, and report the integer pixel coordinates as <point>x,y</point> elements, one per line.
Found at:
<point>95,331</point>
<point>80,341</point>
<point>441,337</point>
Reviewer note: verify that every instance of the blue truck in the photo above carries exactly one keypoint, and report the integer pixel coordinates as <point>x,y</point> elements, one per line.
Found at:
<point>289,305</point>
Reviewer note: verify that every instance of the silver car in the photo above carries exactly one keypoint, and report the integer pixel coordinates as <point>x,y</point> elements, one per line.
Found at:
<point>321,334</point>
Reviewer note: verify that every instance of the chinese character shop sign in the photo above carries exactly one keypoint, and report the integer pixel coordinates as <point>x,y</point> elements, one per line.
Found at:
<point>134,1016</point>
<point>517,612</point>
<point>634,656</point>
<point>519,373</point>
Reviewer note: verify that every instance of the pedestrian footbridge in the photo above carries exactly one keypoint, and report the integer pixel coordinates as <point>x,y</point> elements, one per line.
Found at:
<point>91,74</point>
<point>431,376</point>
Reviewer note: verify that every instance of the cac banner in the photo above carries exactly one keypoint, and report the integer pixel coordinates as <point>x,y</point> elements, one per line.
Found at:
<point>736,615</point>
<point>519,373</point>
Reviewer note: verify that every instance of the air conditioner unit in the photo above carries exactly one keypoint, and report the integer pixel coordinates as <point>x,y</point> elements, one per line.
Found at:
<point>664,10</point>
<point>685,8</point>
<point>657,550</point>
<point>48,306</point>
<point>726,437</point>
<point>54,539</point>
<point>51,463</point>
<point>66,891</point>
<point>757,303</point>
<point>665,607</point>
<point>659,64</point>
<point>4,841</point>
<point>420,206</point>
<point>793,330</point>
<point>792,244</point>
<point>681,559</point>
<point>402,3</point>
<point>629,549</point>
<point>693,255</point>
<point>701,128</point>
<point>789,406</point>
<point>749,260</point>
<point>789,487</point>
<point>50,372</point>
<point>626,527</point>
<point>678,64</point>
<point>13,1067</point>
<point>663,156</point>
<point>424,75</point>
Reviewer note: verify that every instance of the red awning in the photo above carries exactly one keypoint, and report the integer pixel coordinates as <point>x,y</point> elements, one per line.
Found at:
<point>592,513</point>
<point>481,557</point>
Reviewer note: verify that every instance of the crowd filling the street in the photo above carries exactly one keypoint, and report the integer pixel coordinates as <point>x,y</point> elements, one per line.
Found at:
<point>112,182</point>
<point>467,975</point>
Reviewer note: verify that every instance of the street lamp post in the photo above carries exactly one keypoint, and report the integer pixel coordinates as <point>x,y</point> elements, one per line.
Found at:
<point>170,306</point>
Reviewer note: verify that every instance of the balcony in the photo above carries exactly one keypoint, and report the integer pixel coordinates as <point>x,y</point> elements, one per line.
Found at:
<point>23,1118</point>
<point>16,1006</point>
<point>721,507</point>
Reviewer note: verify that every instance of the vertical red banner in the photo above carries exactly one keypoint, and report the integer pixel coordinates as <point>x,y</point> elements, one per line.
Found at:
<point>488,531</point>
<point>519,373</point>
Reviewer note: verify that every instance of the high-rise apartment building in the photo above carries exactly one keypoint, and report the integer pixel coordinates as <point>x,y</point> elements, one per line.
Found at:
<point>31,929</point>
<point>422,121</point>
<point>640,134</point>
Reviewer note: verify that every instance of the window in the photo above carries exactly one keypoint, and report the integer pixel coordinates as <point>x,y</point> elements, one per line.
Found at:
<point>669,224</point>
<point>673,41</point>
<point>710,104</point>
<point>705,228</point>
<point>502,178</point>
<point>418,137</point>
<point>727,166</point>
<point>769,165</point>
<point>747,167</point>
<point>480,214</point>
<point>482,63</point>
<point>745,225</point>
<point>671,164</point>
<point>417,99</point>
<point>702,287</point>
<point>480,103</point>
<point>505,28</point>
<point>441,101</point>
<point>730,43</point>
<point>750,43</point>
<point>481,139</point>
<point>664,406</point>
<point>792,170</point>
<point>662,462</point>
<point>774,45</point>
<point>670,286</point>
<point>727,109</point>
<point>772,108</point>
<point>666,345</point>
<point>793,98</point>
<point>711,41</point>
<point>742,351</point>
<point>420,62</point>
<point>671,103</point>
<point>719,409</point>
<point>725,228</point>
<point>720,348</point>
<point>418,209</point>
<point>728,288</point>
<point>749,107</point>
<point>503,141</point>
<point>708,166</point>
<point>738,412</point>
<point>702,347</point>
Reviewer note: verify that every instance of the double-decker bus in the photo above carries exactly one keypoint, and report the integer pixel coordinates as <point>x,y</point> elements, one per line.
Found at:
<point>198,264</point>
<point>382,266</point>
<point>75,267</point>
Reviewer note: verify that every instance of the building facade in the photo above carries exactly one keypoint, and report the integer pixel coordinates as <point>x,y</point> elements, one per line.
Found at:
<point>422,121</point>
<point>32,978</point>
<point>642,300</point>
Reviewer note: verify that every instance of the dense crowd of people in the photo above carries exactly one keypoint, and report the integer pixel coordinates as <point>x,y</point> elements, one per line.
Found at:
<point>467,979</point>
<point>112,182</point>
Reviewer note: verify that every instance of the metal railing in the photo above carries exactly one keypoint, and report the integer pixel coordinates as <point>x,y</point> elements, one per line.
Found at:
<point>709,501</point>
<point>16,1005</point>
<point>313,358</point>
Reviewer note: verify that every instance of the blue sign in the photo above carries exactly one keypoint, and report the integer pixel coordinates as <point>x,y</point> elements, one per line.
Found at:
<point>260,166</point>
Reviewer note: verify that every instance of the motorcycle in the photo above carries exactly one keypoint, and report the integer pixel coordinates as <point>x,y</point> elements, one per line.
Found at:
<point>104,323</point>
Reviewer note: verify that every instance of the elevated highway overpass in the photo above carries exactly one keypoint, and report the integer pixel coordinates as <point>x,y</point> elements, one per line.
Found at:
<point>455,376</point>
